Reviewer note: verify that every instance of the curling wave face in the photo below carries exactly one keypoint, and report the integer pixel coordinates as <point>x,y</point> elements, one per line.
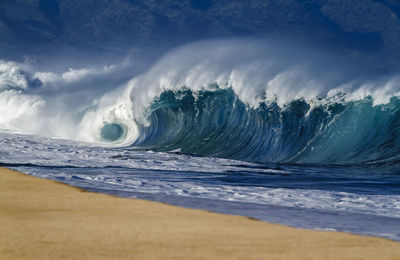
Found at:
<point>241,99</point>
<point>217,123</point>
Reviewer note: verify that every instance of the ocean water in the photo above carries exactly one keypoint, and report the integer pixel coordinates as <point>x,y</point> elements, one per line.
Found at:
<point>284,134</point>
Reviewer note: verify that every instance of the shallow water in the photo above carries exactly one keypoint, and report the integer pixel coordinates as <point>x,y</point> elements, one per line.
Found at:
<point>362,200</point>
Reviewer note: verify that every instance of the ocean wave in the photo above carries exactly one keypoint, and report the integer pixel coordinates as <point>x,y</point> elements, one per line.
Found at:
<point>242,99</point>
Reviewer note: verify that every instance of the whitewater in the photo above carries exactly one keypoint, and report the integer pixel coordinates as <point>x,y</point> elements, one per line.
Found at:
<point>282,133</point>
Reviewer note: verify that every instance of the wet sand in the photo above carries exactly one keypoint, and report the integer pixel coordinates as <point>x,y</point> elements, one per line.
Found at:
<point>43,219</point>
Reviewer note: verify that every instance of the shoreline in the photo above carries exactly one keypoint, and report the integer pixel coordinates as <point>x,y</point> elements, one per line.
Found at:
<point>45,219</point>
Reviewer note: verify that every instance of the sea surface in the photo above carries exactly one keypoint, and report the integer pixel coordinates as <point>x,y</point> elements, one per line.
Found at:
<point>259,129</point>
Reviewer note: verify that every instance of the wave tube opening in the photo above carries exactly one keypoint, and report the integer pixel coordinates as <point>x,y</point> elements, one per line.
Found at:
<point>112,132</point>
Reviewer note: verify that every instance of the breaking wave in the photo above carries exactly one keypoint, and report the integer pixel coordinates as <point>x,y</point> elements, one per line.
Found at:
<point>217,123</point>
<point>241,99</point>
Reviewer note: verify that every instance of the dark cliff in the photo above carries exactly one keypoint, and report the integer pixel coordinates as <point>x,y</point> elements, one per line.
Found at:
<point>37,26</point>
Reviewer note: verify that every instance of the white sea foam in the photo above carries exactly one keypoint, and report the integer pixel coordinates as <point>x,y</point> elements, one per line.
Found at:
<point>176,175</point>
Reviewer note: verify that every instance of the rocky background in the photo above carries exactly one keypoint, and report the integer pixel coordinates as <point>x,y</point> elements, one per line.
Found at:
<point>31,27</point>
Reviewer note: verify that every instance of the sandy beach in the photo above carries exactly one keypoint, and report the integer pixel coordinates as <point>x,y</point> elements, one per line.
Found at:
<point>43,219</point>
